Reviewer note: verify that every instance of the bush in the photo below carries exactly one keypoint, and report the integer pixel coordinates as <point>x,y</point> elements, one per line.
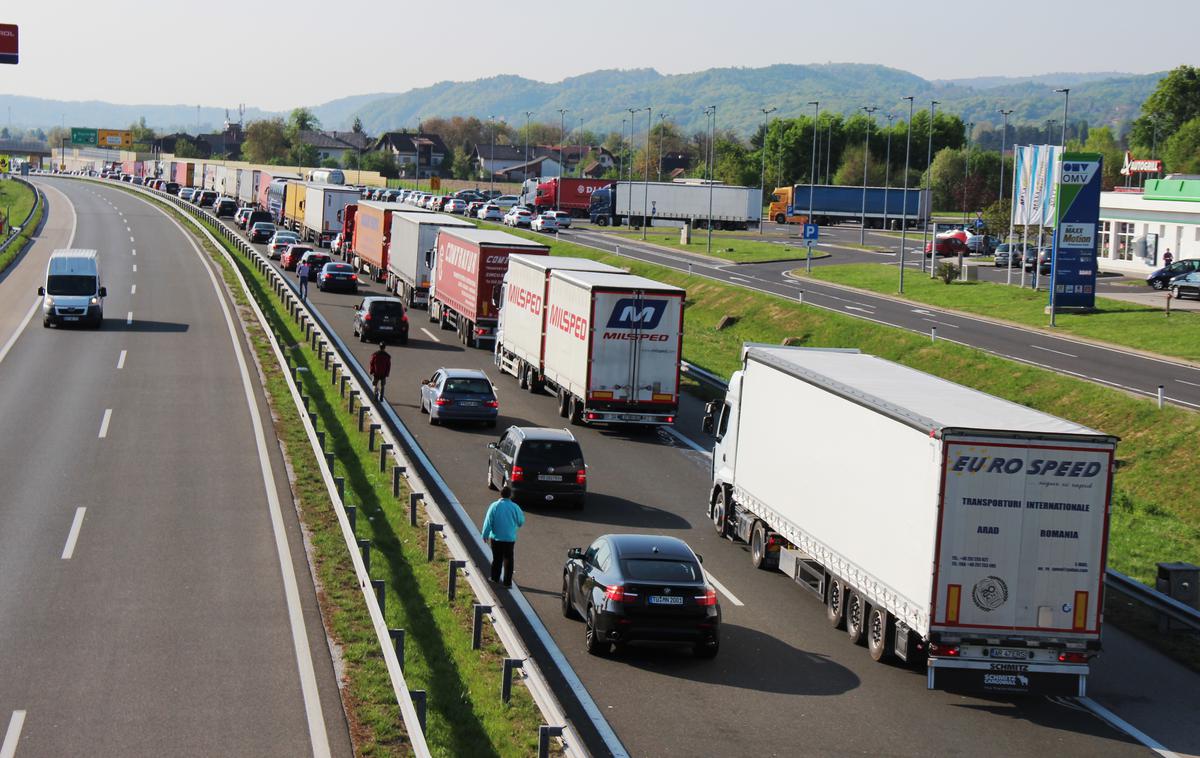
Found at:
<point>947,271</point>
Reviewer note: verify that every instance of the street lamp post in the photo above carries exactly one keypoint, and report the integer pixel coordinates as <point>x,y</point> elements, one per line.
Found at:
<point>621,155</point>
<point>904,212</point>
<point>579,158</point>
<point>661,133</point>
<point>646,192</point>
<point>632,128</point>
<point>862,234</point>
<point>929,196</point>
<point>711,112</point>
<point>812,182</point>
<point>966,179</point>
<point>527,115</point>
<point>762,182</point>
<point>562,138</point>
<point>1066,91</point>
<point>1050,122</point>
<point>887,171</point>
<point>1003,145</point>
<point>491,160</point>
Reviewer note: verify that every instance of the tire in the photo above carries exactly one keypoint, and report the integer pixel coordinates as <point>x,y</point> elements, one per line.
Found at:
<point>562,404</point>
<point>422,406</point>
<point>362,335</point>
<point>1175,292</point>
<point>781,219</point>
<point>523,375</point>
<point>592,643</point>
<point>706,651</point>
<point>491,423</point>
<point>575,411</point>
<point>404,339</point>
<point>856,617</point>
<point>490,482</point>
<point>835,603</point>
<point>758,547</point>
<point>433,419</point>
<point>719,512</point>
<point>568,608</point>
<point>879,634</point>
<point>1158,284</point>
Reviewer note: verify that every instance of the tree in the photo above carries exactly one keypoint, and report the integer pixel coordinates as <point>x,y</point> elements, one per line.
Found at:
<point>330,163</point>
<point>142,134</point>
<point>357,128</point>
<point>1182,151</point>
<point>997,217</point>
<point>265,141</point>
<point>850,172</point>
<point>383,161</point>
<point>302,154</point>
<point>1173,103</point>
<point>1101,140</point>
<point>301,120</point>
<point>185,148</point>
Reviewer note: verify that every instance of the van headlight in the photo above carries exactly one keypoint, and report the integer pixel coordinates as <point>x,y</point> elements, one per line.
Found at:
<point>95,300</point>
<point>48,302</point>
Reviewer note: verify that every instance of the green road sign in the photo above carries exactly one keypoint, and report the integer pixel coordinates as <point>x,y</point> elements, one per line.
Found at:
<point>83,136</point>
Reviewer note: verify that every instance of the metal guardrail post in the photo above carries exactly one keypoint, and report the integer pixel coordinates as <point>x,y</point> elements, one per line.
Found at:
<point>365,547</point>
<point>478,611</point>
<point>397,473</point>
<point>340,483</point>
<point>352,517</point>
<point>374,429</point>
<point>329,459</point>
<point>431,530</point>
<point>414,499</point>
<point>384,449</point>
<point>350,405</point>
<point>362,412</point>
<point>380,592</point>
<point>545,732</point>
<point>452,583</point>
<point>418,698</point>
<point>397,636</point>
<point>320,438</point>
<point>510,665</point>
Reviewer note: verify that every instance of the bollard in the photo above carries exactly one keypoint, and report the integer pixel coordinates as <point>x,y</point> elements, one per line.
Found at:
<point>339,483</point>
<point>510,664</point>
<point>432,529</point>
<point>933,334</point>
<point>478,610</point>
<point>353,397</point>
<point>362,412</point>
<point>378,585</point>
<point>545,732</point>
<point>365,547</point>
<point>371,437</point>
<point>800,297</point>
<point>397,472</point>
<point>452,585</point>
<point>329,458</point>
<point>327,357</point>
<point>342,389</point>
<point>352,517</point>
<point>413,499</point>
<point>397,636</point>
<point>1160,397</point>
<point>418,701</point>
<point>384,449</point>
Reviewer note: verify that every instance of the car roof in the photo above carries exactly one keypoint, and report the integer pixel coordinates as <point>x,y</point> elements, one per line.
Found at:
<point>381,299</point>
<point>649,546</point>
<point>544,433</point>
<point>464,373</point>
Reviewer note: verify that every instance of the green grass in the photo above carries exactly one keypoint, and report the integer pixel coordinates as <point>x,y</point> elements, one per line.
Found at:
<point>735,250</point>
<point>465,715</point>
<point>17,199</point>
<point>1155,515</point>
<point>1115,321</point>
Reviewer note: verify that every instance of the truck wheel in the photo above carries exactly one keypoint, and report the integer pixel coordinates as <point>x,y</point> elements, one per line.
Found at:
<point>720,513</point>
<point>758,548</point>
<point>523,372</point>
<point>835,604</point>
<point>879,633</point>
<point>780,219</point>
<point>575,411</point>
<point>562,404</point>
<point>602,221</point>
<point>856,617</point>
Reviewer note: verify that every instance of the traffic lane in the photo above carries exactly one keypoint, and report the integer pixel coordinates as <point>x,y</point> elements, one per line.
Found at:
<point>173,565</point>
<point>19,282</point>
<point>649,484</point>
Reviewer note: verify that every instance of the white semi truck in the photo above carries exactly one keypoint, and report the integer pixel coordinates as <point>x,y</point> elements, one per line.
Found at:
<point>323,211</point>
<point>934,521</point>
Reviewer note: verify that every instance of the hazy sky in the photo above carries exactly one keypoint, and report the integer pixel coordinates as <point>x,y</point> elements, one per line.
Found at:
<point>277,54</point>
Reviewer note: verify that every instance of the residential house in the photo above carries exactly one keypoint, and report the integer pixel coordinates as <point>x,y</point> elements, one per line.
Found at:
<point>329,145</point>
<point>425,152</point>
<point>544,160</point>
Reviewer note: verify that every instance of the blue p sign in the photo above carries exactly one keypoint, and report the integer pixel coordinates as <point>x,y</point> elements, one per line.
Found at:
<point>812,232</point>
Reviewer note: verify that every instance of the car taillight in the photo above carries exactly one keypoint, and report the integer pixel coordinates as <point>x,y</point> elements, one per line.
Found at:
<point>480,331</point>
<point>947,651</point>
<point>518,474</point>
<point>326,276</point>
<point>581,476</point>
<point>670,419</point>
<point>443,401</point>
<point>591,416</point>
<point>492,403</point>
<point>366,317</point>
<point>1072,657</point>
<point>404,318</point>
<point>354,278</point>
<point>618,593</point>
<point>708,598</point>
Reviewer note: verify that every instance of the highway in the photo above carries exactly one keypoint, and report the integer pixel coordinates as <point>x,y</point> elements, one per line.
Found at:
<point>155,596</point>
<point>1124,369</point>
<point>784,683</point>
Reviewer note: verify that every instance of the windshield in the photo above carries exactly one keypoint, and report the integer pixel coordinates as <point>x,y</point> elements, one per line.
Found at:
<point>551,453</point>
<point>468,385</point>
<point>71,285</point>
<point>658,570</point>
<point>386,308</point>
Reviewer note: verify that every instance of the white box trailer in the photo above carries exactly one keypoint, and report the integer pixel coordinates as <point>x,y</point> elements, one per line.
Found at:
<point>612,347</point>
<point>413,242</point>
<point>732,207</point>
<point>929,517</point>
<point>247,187</point>
<point>323,205</point>
<point>521,331</point>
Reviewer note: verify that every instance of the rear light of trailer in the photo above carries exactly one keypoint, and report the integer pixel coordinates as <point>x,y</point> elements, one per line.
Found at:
<point>1072,657</point>
<point>591,416</point>
<point>944,651</point>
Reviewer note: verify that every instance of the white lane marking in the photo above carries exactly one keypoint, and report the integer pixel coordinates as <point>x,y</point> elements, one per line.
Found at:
<point>1185,381</point>
<point>1124,726</point>
<point>129,318</point>
<point>9,747</point>
<point>856,308</point>
<point>135,268</point>
<point>104,423</point>
<point>131,238</point>
<point>722,588</point>
<point>738,278</point>
<point>943,323</point>
<point>134,251</point>
<point>133,289</point>
<point>430,334</point>
<point>1050,350</point>
<point>121,361</point>
<point>304,663</point>
<point>127,228</point>
<point>73,535</point>
<point>922,311</point>
<point>687,441</point>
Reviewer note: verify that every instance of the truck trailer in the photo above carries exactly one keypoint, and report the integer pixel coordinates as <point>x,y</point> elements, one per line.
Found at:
<point>694,203</point>
<point>468,270</point>
<point>933,521</point>
<point>372,228</point>
<point>576,195</point>
<point>247,193</point>
<point>414,239</point>
<point>323,204</point>
<point>887,207</point>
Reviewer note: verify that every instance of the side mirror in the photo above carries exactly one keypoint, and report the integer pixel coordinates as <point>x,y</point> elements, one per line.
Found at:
<point>491,446</point>
<point>700,557</point>
<point>42,291</point>
<point>104,292</point>
<point>575,553</point>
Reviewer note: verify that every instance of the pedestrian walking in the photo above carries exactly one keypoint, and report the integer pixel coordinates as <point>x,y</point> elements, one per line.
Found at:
<point>379,368</point>
<point>500,525</point>
<point>1167,257</point>
<point>302,271</point>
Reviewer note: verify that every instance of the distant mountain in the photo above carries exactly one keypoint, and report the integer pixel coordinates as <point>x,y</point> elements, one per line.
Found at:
<point>1055,80</point>
<point>38,112</point>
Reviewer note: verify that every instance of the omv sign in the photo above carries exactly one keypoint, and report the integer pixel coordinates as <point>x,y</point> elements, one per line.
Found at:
<point>631,313</point>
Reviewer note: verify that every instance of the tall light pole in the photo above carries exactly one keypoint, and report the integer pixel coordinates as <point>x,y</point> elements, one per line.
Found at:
<point>887,171</point>
<point>1050,122</point>
<point>632,127</point>
<point>762,182</point>
<point>967,171</point>
<point>621,155</point>
<point>579,159</point>
<point>812,182</point>
<point>870,109</point>
<point>662,128</point>
<point>1066,91</point>
<point>1000,199</point>
<point>929,196</point>
<point>491,160</point>
<point>562,138</point>
<point>904,212</point>
<point>646,193</point>
<point>711,112</point>
<point>527,115</point>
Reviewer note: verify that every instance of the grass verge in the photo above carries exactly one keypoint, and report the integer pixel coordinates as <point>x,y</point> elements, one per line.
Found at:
<point>17,199</point>
<point>1114,321</point>
<point>465,715</point>
<point>733,249</point>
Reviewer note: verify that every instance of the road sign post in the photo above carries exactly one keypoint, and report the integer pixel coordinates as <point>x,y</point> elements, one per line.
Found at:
<point>808,258</point>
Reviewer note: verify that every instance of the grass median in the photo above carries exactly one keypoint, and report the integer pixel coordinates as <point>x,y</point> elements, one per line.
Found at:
<point>732,249</point>
<point>1155,514</point>
<point>465,715</point>
<point>16,200</point>
<point>1115,321</point>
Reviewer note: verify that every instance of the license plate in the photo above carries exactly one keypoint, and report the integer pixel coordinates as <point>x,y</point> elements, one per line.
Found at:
<point>384,328</point>
<point>666,600</point>
<point>549,478</point>
<point>469,403</point>
<point>70,318</point>
<point>1000,652</point>
<point>629,417</point>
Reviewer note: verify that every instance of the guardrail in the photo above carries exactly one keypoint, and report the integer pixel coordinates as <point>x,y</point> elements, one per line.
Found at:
<point>1147,596</point>
<point>16,230</point>
<point>423,478</point>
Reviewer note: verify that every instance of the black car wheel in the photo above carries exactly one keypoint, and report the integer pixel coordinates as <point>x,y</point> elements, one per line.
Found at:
<point>591,636</point>
<point>568,608</point>
<point>1158,284</point>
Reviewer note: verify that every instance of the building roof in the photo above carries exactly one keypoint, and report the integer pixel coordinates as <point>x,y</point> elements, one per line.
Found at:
<point>407,142</point>
<point>323,140</point>
<point>486,151</point>
<point>357,140</point>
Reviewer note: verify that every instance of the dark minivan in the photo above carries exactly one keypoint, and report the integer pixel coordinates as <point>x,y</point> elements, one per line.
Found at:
<point>378,319</point>
<point>539,464</point>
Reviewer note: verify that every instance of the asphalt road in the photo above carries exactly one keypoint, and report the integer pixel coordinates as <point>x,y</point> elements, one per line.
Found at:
<point>784,683</point>
<point>146,607</point>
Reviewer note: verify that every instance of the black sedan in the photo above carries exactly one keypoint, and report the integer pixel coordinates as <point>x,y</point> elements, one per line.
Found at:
<point>635,587</point>
<point>1186,285</point>
<point>1161,278</point>
<point>337,276</point>
<point>316,260</point>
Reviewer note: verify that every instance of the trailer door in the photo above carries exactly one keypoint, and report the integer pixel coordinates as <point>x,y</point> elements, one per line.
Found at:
<point>635,356</point>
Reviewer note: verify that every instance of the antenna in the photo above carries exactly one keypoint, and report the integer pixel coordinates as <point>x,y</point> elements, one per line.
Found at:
<point>241,113</point>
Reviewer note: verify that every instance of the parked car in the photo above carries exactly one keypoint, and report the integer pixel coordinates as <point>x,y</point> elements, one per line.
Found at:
<point>506,201</point>
<point>490,212</point>
<point>947,246</point>
<point>562,217</point>
<point>1043,258</point>
<point>337,276</point>
<point>380,318</point>
<point>459,394</point>
<point>518,217</point>
<point>544,222</point>
<point>635,587</point>
<point>316,260</point>
<point>539,464</point>
<point>432,201</point>
<point>279,243</point>
<point>982,244</point>
<point>292,254</point>
<point>1006,250</point>
<point>185,193</point>
<point>261,231</point>
<point>224,207</point>
<point>1160,278</point>
<point>473,208</point>
<point>454,205</point>
<point>1188,284</point>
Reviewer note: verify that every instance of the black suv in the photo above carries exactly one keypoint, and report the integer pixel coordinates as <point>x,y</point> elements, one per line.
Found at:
<point>538,464</point>
<point>225,207</point>
<point>377,319</point>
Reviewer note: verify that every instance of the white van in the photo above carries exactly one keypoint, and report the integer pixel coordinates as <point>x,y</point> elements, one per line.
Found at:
<point>73,292</point>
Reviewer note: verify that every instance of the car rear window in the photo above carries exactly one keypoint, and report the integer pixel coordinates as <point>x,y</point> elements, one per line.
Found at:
<point>660,570</point>
<point>318,260</point>
<point>551,453</point>
<point>387,309</point>
<point>468,385</point>
<point>341,268</point>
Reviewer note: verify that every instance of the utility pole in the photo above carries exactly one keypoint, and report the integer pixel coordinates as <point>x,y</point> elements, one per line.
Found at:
<point>662,128</point>
<point>862,233</point>
<point>904,212</point>
<point>887,171</point>
<point>711,112</point>
<point>762,182</point>
<point>526,172</point>
<point>967,173</point>
<point>929,197</point>
<point>646,193</point>
<point>632,113</point>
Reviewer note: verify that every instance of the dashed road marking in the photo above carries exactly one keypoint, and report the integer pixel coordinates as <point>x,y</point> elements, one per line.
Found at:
<point>104,423</point>
<point>73,534</point>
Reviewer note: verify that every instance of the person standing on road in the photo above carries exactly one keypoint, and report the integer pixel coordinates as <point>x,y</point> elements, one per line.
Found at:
<point>379,368</point>
<point>500,525</point>
<point>1167,257</point>
<point>302,271</point>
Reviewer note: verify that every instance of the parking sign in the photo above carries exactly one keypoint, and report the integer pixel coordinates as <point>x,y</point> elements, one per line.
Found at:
<point>812,232</point>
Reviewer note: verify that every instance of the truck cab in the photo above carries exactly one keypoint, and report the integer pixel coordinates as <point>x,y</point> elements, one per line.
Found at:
<point>720,420</point>
<point>782,198</point>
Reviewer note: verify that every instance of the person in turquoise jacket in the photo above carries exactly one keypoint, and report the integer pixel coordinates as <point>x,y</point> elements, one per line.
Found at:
<point>500,525</point>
